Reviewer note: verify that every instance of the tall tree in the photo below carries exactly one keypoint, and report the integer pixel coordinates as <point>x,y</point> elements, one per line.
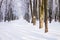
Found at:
<point>31,10</point>
<point>50,10</point>
<point>59,10</point>
<point>41,13</point>
<point>46,17</point>
<point>34,12</point>
<point>1,15</point>
<point>27,16</point>
<point>50,15</point>
<point>56,10</point>
<point>5,17</point>
<point>36,9</point>
<point>56,14</point>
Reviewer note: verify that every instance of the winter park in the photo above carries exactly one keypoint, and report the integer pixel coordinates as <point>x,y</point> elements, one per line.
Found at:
<point>29,19</point>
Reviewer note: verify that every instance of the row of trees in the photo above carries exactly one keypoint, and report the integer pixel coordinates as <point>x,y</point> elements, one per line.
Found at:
<point>8,15</point>
<point>40,10</point>
<point>43,16</point>
<point>45,12</point>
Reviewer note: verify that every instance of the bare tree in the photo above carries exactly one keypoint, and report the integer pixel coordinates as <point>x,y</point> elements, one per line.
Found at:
<point>56,14</point>
<point>27,16</point>
<point>50,10</point>
<point>59,11</point>
<point>50,15</point>
<point>1,15</point>
<point>34,12</point>
<point>31,10</point>
<point>41,13</point>
<point>46,17</point>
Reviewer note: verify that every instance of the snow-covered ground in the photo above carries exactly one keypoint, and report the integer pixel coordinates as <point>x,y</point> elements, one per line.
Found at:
<point>22,30</point>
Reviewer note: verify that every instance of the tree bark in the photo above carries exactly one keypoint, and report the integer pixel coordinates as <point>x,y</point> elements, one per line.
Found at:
<point>50,10</point>
<point>59,10</point>
<point>46,17</point>
<point>31,10</point>
<point>41,13</point>
<point>34,12</point>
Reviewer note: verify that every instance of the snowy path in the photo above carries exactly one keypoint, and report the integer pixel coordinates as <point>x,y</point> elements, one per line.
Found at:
<point>21,30</point>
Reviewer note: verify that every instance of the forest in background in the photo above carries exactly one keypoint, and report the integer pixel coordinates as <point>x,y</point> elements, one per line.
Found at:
<point>42,10</point>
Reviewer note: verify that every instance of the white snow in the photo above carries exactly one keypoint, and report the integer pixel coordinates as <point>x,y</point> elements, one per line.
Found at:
<point>22,30</point>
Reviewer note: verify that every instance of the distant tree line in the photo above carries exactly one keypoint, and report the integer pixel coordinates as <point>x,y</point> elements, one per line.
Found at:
<point>8,15</point>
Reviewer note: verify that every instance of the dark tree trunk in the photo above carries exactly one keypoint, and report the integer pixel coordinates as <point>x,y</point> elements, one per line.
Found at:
<point>46,17</point>
<point>59,10</point>
<point>34,12</point>
<point>27,16</point>
<point>35,8</point>
<point>1,14</point>
<point>50,10</point>
<point>50,15</point>
<point>56,16</point>
<point>39,13</point>
<point>5,18</point>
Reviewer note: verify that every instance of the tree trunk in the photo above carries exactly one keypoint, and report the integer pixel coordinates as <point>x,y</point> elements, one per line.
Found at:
<point>46,17</point>
<point>50,15</point>
<point>5,12</point>
<point>34,12</point>
<point>41,13</point>
<point>59,10</point>
<point>31,10</point>
<point>50,10</point>
<point>1,14</point>
<point>27,16</point>
<point>56,14</point>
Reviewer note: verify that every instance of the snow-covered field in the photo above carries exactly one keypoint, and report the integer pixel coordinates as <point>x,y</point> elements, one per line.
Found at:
<point>22,30</point>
